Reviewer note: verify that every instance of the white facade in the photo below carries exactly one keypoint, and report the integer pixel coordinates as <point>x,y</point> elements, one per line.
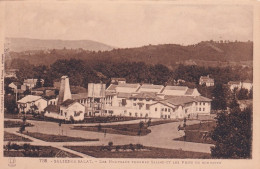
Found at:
<point>28,103</point>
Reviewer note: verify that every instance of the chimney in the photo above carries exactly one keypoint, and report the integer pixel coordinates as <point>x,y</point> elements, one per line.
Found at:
<point>64,92</point>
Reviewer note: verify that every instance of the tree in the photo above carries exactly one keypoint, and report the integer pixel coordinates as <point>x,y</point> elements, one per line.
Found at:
<point>219,98</point>
<point>233,134</point>
<point>242,94</point>
<point>39,83</point>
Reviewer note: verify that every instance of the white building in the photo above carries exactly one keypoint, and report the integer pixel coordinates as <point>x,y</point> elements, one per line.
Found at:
<point>31,103</point>
<point>206,80</point>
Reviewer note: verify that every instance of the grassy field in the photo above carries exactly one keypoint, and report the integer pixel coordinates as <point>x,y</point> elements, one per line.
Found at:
<point>199,133</point>
<point>144,152</point>
<point>57,138</point>
<point>13,137</point>
<point>124,129</point>
<point>13,124</point>
<point>38,151</point>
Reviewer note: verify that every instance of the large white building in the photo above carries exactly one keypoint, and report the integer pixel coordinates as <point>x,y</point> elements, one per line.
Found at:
<point>32,103</point>
<point>154,101</point>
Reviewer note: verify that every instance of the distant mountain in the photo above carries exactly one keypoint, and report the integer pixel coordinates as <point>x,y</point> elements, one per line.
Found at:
<point>25,44</point>
<point>207,53</point>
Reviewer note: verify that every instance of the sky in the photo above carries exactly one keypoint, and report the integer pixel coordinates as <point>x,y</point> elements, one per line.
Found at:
<point>132,24</point>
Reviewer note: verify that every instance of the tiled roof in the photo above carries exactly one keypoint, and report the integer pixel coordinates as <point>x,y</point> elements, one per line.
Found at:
<point>124,95</point>
<point>108,93</point>
<point>29,98</point>
<point>52,108</point>
<point>67,102</point>
<point>129,85</point>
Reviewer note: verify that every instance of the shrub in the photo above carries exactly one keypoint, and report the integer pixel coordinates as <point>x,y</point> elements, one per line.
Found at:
<point>139,146</point>
<point>131,146</point>
<point>110,143</point>
<point>118,148</point>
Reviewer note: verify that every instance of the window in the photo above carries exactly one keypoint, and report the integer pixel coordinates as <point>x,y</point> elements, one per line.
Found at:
<point>75,113</point>
<point>169,110</point>
<point>61,112</point>
<point>204,103</point>
<point>165,109</point>
<point>162,109</point>
<point>161,116</point>
<point>141,115</point>
<point>135,114</point>
<point>200,103</point>
<point>134,104</point>
<point>196,103</point>
<point>169,116</point>
<point>165,116</point>
<point>130,114</point>
<point>199,109</point>
<point>155,109</point>
<point>203,109</point>
<point>65,113</point>
<point>147,107</point>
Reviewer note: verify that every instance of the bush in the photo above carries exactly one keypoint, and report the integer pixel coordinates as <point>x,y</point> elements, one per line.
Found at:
<point>118,148</point>
<point>139,146</point>
<point>131,146</point>
<point>110,144</point>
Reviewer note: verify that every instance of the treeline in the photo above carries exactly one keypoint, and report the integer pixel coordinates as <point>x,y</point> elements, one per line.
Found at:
<point>166,54</point>
<point>81,73</point>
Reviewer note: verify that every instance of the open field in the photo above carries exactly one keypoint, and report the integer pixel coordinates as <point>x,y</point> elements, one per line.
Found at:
<point>144,152</point>
<point>57,138</point>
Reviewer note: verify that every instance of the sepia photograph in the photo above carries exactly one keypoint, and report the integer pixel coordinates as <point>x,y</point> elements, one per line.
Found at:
<point>127,80</point>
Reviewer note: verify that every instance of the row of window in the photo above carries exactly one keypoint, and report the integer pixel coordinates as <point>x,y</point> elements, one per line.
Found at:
<point>163,109</point>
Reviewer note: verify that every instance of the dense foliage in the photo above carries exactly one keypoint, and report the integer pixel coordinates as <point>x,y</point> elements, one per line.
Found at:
<point>233,134</point>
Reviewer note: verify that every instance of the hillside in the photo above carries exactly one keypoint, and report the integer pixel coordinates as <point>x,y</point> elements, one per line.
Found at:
<point>25,44</point>
<point>208,53</point>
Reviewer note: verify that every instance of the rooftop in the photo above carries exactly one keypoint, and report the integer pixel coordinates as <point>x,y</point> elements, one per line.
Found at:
<point>67,102</point>
<point>151,86</point>
<point>52,108</point>
<point>129,85</point>
<point>176,88</point>
<point>124,95</point>
<point>111,87</point>
<point>79,96</point>
<point>146,95</point>
<point>29,98</point>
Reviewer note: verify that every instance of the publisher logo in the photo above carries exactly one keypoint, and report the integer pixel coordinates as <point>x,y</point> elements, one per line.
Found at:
<point>11,162</point>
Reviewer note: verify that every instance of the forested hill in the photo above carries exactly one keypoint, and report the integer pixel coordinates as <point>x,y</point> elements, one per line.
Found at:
<point>208,53</point>
<point>25,44</point>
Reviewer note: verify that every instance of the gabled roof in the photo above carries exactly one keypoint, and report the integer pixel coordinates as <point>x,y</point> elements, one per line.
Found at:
<point>52,108</point>
<point>201,99</point>
<point>180,100</point>
<point>29,98</point>
<point>247,81</point>
<point>67,102</point>
<point>111,87</point>
<point>164,103</point>
<point>189,91</point>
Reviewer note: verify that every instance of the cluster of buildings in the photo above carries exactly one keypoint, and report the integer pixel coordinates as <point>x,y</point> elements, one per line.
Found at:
<point>238,84</point>
<point>119,99</point>
<point>27,84</point>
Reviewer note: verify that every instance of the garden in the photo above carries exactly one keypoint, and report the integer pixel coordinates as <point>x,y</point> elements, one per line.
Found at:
<point>56,138</point>
<point>27,150</point>
<point>135,151</point>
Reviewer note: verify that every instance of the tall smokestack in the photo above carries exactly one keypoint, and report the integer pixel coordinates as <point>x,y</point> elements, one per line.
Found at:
<point>64,92</point>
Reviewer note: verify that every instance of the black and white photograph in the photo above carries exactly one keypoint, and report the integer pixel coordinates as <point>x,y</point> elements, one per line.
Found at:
<point>127,80</point>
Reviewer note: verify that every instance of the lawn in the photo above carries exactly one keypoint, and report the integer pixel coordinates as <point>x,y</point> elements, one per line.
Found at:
<point>57,138</point>
<point>13,137</point>
<point>144,152</point>
<point>35,151</point>
<point>199,133</point>
<point>13,124</point>
<point>124,129</point>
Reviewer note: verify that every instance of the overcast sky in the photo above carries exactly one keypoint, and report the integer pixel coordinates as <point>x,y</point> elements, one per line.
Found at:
<point>129,24</point>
